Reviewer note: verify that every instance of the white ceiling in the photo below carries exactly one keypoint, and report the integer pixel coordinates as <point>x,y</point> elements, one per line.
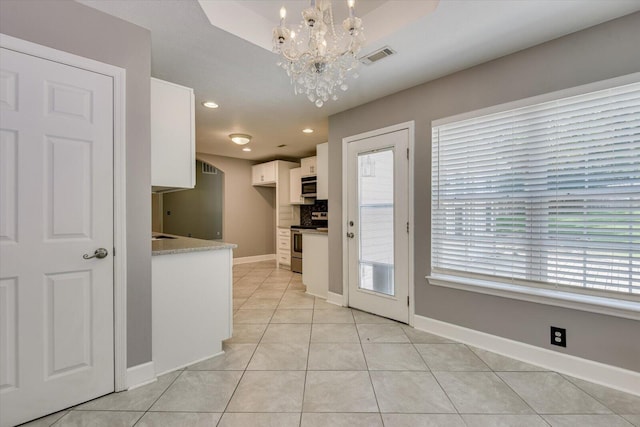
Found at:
<point>256,97</point>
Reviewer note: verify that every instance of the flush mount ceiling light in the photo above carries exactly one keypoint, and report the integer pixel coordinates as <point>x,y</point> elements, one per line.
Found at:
<point>317,54</point>
<point>210,104</point>
<point>307,130</point>
<point>240,138</point>
<point>246,149</point>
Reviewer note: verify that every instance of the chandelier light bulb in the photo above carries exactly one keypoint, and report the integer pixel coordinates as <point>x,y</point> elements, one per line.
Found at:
<point>318,55</point>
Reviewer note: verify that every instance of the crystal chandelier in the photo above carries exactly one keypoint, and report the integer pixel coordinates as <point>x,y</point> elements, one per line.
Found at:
<point>316,55</point>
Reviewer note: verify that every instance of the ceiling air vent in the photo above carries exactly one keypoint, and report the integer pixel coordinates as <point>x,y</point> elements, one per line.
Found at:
<point>282,145</point>
<point>208,169</point>
<point>377,55</point>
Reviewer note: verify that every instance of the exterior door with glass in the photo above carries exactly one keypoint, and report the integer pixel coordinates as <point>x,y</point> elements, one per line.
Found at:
<point>377,224</point>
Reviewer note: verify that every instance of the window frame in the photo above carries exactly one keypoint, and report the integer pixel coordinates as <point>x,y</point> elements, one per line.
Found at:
<point>609,303</point>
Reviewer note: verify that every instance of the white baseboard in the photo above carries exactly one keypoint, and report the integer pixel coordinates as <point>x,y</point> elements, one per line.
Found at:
<point>315,295</point>
<point>333,298</point>
<point>140,375</point>
<point>193,362</point>
<point>589,370</point>
<point>257,258</point>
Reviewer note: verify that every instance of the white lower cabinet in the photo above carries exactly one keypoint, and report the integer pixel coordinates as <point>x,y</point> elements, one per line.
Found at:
<point>284,247</point>
<point>192,307</point>
<point>315,263</point>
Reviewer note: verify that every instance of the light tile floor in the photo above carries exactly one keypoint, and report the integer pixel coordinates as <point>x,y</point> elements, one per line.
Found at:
<point>295,360</point>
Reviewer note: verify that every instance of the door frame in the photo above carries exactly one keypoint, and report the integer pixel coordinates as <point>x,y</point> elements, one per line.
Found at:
<point>410,126</point>
<point>119,185</point>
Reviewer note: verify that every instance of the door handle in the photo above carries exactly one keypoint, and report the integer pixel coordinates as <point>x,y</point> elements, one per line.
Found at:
<point>350,235</point>
<point>99,253</point>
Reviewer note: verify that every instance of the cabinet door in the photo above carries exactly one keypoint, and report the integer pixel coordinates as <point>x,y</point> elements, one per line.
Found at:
<point>308,166</point>
<point>323,171</point>
<point>295,186</point>
<point>256,174</point>
<point>173,152</point>
<point>269,171</point>
<point>264,174</point>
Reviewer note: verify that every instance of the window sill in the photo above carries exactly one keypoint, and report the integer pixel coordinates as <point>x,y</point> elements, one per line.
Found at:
<point>594,304</point>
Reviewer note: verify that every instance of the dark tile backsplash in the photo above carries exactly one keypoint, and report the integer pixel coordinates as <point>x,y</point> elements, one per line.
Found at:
<point>305,213</point>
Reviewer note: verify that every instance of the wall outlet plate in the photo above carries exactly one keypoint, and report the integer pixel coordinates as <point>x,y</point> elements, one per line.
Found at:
<point>558,336</point>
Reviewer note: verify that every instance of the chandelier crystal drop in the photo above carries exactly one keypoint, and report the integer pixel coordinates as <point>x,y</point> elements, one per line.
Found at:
<point>317,55</point>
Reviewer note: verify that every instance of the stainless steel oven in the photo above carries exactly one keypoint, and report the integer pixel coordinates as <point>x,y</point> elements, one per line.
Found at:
<point>296,250</point>
<point>309,186</point>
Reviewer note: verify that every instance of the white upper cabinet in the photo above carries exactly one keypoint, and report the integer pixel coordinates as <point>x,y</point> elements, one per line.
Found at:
<point>308,166</point>
<point>264,174</point>
<point>322,154</point>
<point>173,142</point>
<point>295,189</point>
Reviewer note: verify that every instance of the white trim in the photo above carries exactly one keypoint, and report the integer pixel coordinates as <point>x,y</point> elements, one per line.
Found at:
<point>119,185</point>
<point>256,258</point>
<point>193,362</point>
<point>539,99</point>
<point>140,375</point>
<point>589,370</point>
<point>556,297</point>
<point>410,126</point>
<point>315,295</point>
<point>333,298</point>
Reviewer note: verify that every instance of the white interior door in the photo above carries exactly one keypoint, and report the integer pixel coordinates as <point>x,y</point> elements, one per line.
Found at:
<point>56,204</point>
<point>377,224</point>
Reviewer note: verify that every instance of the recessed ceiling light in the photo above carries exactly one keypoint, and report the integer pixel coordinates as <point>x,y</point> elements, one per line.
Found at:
<point>246,149</point>
<point>210,104</point>
<point>307,130</point>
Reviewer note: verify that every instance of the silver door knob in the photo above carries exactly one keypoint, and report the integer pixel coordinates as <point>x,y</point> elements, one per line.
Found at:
<point>350,235</point>
<point>99,253</point>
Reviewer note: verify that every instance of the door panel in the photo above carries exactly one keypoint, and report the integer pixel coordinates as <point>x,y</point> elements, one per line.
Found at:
<point>377,206</point>
<point>56,191</point>
<point>68,195</point>
<point>8,333</point>
<point>68,336</point>
<point>8,189</point>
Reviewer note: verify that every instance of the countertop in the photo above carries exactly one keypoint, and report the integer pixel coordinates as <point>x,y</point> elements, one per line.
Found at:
<point>182,244</point>
<point>322,231</point>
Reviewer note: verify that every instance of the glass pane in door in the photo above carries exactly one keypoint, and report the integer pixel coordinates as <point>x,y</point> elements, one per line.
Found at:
<point>375,211</point>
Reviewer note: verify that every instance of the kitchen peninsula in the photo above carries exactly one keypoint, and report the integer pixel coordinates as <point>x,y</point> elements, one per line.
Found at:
<point>192,299</point>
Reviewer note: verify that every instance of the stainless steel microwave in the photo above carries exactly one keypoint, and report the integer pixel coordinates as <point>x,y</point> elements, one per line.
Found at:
<point>309,186</point>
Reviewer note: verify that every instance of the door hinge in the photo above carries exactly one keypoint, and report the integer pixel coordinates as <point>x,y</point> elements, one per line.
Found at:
<point>407,300</point>
<point>407,154</point>
<point>114,251</point>
<point>407,226</point>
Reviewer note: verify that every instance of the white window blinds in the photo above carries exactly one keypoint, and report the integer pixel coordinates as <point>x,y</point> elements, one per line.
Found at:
<point>544,195</point>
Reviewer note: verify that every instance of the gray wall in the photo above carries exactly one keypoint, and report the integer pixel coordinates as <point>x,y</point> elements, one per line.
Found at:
<point>83,31</point>
<point>249,212</point>
<point>605,51</point>
<point>196,213</point>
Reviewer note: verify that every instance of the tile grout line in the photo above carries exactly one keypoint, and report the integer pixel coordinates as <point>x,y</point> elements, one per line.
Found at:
<point>366,364</point>
<point>437,382</point>
<point>566,378</point>
<point>161,394</point>
<point>306,371</point>
<point>244,371</point>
